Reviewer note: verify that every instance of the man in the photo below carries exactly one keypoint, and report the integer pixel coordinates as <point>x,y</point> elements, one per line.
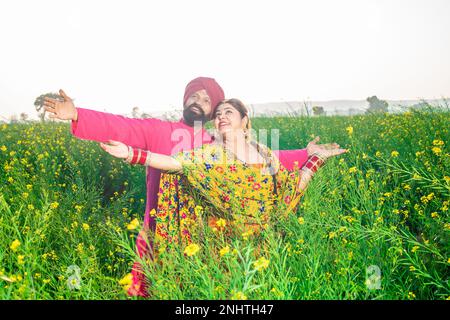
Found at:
<point>201,97</point>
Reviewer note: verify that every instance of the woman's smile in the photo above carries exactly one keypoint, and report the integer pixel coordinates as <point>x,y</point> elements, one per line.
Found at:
<point>223,124</point>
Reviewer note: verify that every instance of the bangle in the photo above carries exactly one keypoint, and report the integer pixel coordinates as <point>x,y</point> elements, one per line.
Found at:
<point>143,157</point>
<point>138,156</point>
<point>138,159</point>
<point>313,163</point>
<point>135,155</point>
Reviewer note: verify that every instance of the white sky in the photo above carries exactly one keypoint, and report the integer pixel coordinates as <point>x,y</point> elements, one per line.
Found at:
<point>114,55</point>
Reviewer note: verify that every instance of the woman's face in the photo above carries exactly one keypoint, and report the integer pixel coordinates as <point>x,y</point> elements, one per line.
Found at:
<point>228,119</point>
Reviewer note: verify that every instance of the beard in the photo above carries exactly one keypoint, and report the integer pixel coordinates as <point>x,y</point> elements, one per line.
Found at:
<point>190,116</point>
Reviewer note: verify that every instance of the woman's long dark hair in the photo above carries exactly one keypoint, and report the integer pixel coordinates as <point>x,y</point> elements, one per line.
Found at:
<point>262,149</point>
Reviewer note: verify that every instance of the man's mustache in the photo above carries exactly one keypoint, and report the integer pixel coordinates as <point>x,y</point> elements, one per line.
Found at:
<point>191,116</point>
<point>196,105</point>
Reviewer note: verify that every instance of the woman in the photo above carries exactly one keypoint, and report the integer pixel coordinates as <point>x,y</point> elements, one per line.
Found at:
<point>241,180</point>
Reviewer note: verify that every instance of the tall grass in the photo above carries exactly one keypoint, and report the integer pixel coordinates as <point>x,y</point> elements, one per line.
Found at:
<point>373,223</point>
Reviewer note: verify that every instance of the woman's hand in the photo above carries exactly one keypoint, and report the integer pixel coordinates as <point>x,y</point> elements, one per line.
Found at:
<point>324,151</point>
<point>116,149</point>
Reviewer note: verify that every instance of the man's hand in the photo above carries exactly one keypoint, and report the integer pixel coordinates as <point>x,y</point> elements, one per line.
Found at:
<point>326,150</point>
<point>62,110</point>
<point>116,149</point>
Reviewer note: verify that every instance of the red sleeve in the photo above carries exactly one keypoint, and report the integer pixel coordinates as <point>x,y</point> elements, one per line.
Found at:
<point>102,126</point>
<point>288,157</point>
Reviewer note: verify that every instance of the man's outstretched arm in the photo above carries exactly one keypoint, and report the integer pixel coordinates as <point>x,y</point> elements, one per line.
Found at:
<point>101,126</point>
<point>289,157</point>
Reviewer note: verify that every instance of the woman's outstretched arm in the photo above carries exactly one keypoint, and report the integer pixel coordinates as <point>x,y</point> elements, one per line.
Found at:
<point>307,171</point>
<point>319,153</point>
<point>138,156</point>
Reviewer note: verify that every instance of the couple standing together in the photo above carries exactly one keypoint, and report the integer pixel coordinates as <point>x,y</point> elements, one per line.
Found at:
<point>243,182</point>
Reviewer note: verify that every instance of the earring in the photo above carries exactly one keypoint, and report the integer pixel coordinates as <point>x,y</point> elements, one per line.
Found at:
<point>246,135</point>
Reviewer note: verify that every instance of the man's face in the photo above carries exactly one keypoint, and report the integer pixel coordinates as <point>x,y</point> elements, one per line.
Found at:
<point>197,108</point>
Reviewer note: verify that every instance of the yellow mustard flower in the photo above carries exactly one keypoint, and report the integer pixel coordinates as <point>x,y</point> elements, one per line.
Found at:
<point>436,150</point>
<point>221,223</point>
<point>349,130</point>
<point>192,249</point>
<point>133,224</point>
<point>261,263</point>
<point>126,281</point>
<point>239,296</point>
<point>247,234</point>
<point>225,250</point>
<point>54,205</point>
<point>14,245</point>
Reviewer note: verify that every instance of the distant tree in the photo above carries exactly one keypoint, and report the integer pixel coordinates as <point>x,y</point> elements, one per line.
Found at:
<point>136,112</point>
<point>421,105</point>
<point>13,118</point>
<point>306,108</point>
<point>318,110</point>
<point>171,116</point>
<point>23,116</point>
<point>376,105</point>
<point>39,103</point>
<point>353,111</point>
